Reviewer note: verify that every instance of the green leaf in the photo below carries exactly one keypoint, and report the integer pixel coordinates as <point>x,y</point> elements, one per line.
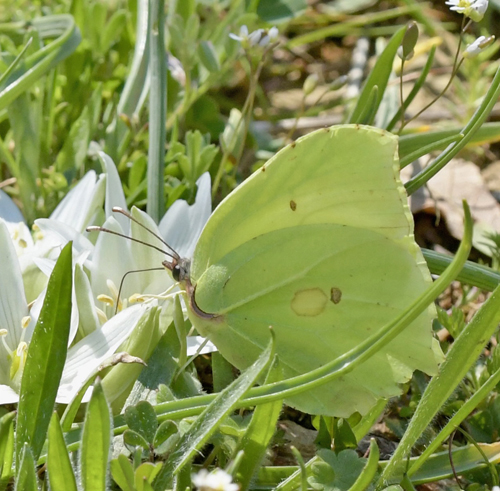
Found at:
<point>468,132</point>
<point>165,431</point>
<point>462,355</point>
<point>277,11</point>
<point>222,372</point>
<point>123,473</point>
<point>60,471</point>
<point>45,359</point>
<point>142,419</point>
<point>146,473</point>
<point>208,421</point>
<point>96,440</point>
<point>415,89</point>
<point>336,472</point>
<point>6,448</point>
<point>440,139</point>
<point>184,8</point>
<point>208,56</point>
<point>344,436</point>
<point>113,29</point>
<point>74,151</point>
<point>366,476</point>
<point>379,77</point>
<point>472,273</point>
<point>259,433</point>
<point>26,475</point>
<point>465,459</point>
<point>41,62</point>
<point>133,439</point>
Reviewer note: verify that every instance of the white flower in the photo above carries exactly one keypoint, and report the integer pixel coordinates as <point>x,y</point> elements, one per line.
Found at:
<point>480,44</point>
<point>17,324</point>
<point>474,9</point>
<point>72,214</point>
<point>273,34</point>
<point>260,37</point>
<point>242,36</point>
<point>217,480</point>
<point>96,332</point>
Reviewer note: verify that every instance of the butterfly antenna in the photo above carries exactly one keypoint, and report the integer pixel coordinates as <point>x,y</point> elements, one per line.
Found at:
<point>123,281</point>
<point>117,209</point>
<point>174,256</point>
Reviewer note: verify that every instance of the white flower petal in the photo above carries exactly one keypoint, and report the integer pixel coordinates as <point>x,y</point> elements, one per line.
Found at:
<point>194,343</point>
<point>273,33</point>
<point>81,203</point>
<point>86,356</point>
<point>111,260</point>
<point>8,209</point>
<point>13,306</point>
<point>88,321</point>
<point>182,225</point>
<point>59,234</point>
<point>243,31</point>
<point>235,37</point>
<point>114,192</point>
<point>8,395</point>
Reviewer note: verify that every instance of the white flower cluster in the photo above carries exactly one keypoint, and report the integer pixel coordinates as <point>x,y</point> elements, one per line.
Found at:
<point>259,37</point>
<point>475,9</point>
<point>217,480</point>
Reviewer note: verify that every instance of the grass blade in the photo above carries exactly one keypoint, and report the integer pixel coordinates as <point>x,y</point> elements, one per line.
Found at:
<point>157,111</point>
<point>45,359</point>
<point>379,77</point>
<point>208,422</point>
<point>96,440</point>
<point>61,476</point>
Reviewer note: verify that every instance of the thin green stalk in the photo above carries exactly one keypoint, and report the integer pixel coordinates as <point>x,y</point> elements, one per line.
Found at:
<point>246,113</point>
<point>456,420</point>
<point>468,131</point>
<point>157,111</point>
<point>13,65</point>
<point>456,66</point>
<point>343,28</point>
<point>461,357</point>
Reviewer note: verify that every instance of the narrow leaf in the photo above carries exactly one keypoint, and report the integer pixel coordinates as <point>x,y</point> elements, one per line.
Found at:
<point>122,472</point>
<point>45,359</point>
<point>26,475</point>
<point>208,421</point>
<point>96,440</point>
<point>60,471</point>
<point>462,355</point>
<point>259,433</point>
<point>379,77</point>
<point>371,467</point>
<point>6,448</point>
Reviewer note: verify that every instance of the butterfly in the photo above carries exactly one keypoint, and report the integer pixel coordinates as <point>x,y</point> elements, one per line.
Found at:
<point>318,243</point>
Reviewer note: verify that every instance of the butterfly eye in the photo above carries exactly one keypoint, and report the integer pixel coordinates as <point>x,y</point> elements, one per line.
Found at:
<point>176,272</point>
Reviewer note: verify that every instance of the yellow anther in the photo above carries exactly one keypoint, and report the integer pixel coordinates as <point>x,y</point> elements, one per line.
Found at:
<point>136,298</point>
<point>106,299</point>
<point>25,321</point>
<point>3,332</point>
